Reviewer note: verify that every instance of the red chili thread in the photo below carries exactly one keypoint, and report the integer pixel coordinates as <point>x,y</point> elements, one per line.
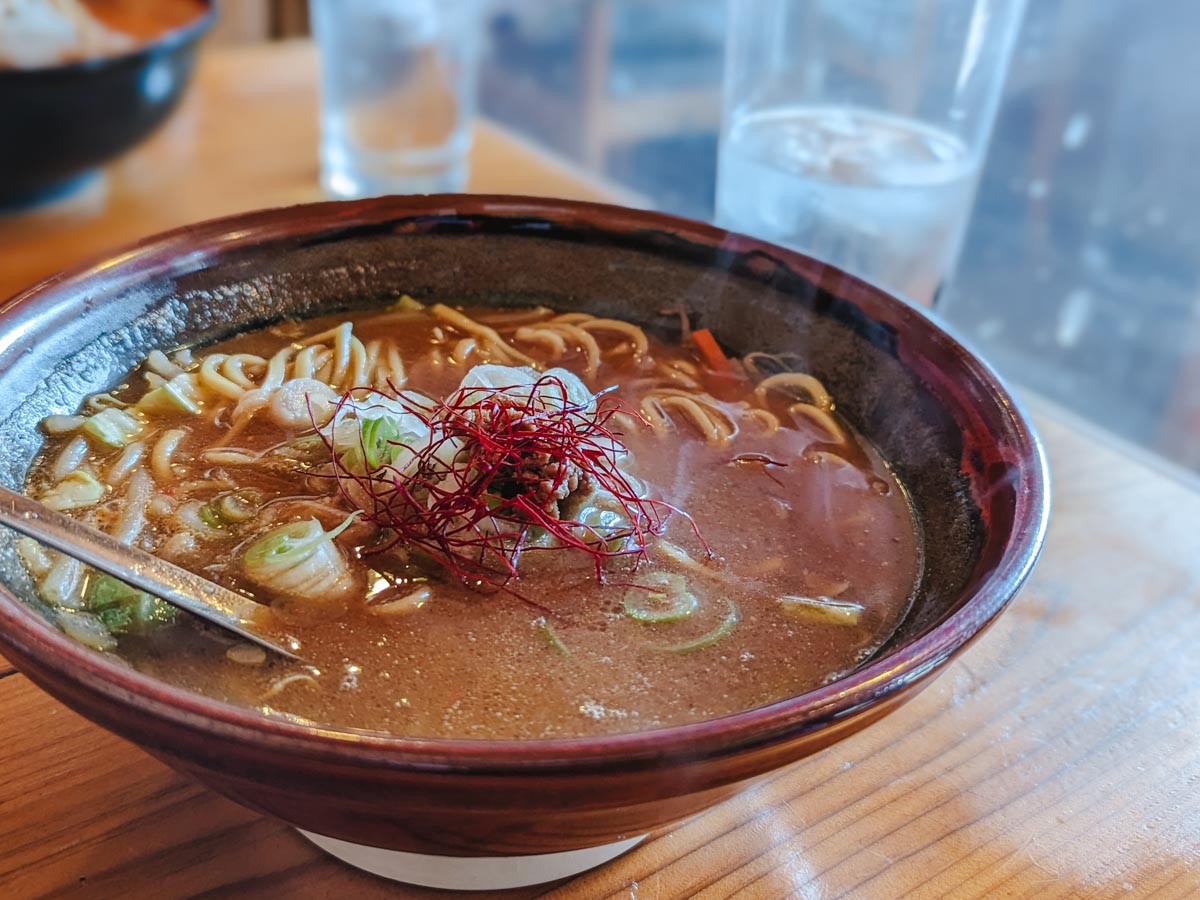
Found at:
<point>470,499</point>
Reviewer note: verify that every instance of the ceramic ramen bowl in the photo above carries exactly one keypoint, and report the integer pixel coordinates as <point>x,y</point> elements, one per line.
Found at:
<point>538,809</point>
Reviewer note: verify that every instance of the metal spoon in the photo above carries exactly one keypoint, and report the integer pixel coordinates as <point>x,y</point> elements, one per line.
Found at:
<point>142,570</point>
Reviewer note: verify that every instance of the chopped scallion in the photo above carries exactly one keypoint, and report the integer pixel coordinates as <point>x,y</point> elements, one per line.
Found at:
<point>707,640</point>
<point>123,609</point>
<point>550,635</point>
<point>210,517</point>
<point>408,304</point>
<point>77,490</point>
<point>180,394</point>
<point>240,506</point>
<point>112,427</point>
<point>659,597</point>
<point>822,609</point>
<point>292,544</point>
<point>86,628</point>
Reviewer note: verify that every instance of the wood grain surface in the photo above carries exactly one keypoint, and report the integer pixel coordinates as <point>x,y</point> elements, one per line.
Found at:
<point>1057,758</point>
<point>245,137</point>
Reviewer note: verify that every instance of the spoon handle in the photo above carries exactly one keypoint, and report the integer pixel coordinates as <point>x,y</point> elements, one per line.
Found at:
<point>177,586</point>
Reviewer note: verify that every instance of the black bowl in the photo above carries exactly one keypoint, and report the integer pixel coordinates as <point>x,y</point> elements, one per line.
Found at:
<point>61,122</point>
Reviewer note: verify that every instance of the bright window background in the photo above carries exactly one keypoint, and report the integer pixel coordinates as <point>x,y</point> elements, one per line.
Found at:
<point>1079,276</point>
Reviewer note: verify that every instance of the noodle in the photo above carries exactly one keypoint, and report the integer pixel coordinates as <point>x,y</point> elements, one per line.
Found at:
<point>230,457</point>
<point>501,318</point>
<point>215,381</point>
<point>133,511</point>
<point>97,402</point>
<point>395,366</point>
<point>341,354</point>
<point>234,369</point>
<point>371,360</point>
<point>306,364</point>
<point>768,420</point>
<point>61,424</point>
<point>285,682</point>
<point>358,372</point>
<point>821,419</point>
<point>463,349</point>
<point>62,583</point>
<point>158,363</point>
<point>551,340</point>
<point>495,345</point>
<point>577,328</point>
<point>277,369</point>
<point>164,449</point>
<point>791,382</point>
<point>637,337</point>
<point>572,318</point>
<point>703,411</point>
<point>69,458</point>
<point>588,343</point>
<point>124,463</point>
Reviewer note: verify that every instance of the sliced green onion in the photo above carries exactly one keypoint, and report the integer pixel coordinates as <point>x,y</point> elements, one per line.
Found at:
<point>707,640</point>
<point>661,597</point>
<point>75,491</point>
<point>822,609</point>
<point>104,591</point>
<point>291,544</point>
<point>377,443</point>
<point>300,561</point>
<point>240,506</point>
<point>550,635</point>
<point>180,394</point>
<point>408,304</point>
<point>379,438</point>
<point>112,427</point>
<point>123,609</point>
<point>211,517</point>
<point>86,628</point>
<point>610,526</point>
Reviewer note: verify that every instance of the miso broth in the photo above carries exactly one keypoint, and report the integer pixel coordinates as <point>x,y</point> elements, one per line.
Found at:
<point>724,539</point>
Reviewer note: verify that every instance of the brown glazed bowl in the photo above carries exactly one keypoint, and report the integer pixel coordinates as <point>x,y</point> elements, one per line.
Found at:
<point>955,437</point>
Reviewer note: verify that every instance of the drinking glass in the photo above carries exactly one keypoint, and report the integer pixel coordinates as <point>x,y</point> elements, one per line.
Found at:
<point>398,88</point>
<point>854,130</point>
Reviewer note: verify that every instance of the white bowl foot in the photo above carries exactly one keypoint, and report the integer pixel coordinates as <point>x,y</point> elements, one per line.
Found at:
<point>471,873</point>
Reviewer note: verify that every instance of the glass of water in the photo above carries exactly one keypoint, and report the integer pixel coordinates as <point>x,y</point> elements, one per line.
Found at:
<point>398,88</point>
<point>854,130</point>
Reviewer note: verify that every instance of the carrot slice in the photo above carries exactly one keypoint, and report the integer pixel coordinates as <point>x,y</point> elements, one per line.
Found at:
<point>710,350</point>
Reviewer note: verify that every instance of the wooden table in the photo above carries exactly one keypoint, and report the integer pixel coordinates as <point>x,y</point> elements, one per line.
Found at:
<point>1058,758</point>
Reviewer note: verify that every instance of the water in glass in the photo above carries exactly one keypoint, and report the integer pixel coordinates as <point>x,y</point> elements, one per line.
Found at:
<point>397,95</point>
<point>884,197</point>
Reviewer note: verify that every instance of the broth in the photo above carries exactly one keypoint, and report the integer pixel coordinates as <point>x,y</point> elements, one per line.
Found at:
<point>815,552</point>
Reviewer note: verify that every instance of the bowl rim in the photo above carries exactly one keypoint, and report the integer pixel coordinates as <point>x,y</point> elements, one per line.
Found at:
<point>30,634</point>
<point>164,41</point>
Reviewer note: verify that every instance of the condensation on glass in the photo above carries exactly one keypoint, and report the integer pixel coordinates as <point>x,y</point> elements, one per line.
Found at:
<point>854,130</point>
<point>398,87</point>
